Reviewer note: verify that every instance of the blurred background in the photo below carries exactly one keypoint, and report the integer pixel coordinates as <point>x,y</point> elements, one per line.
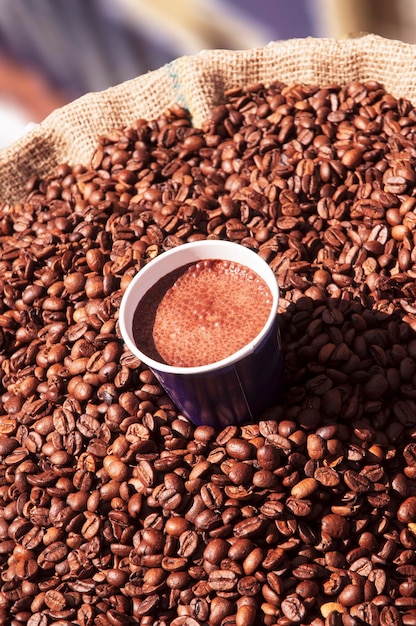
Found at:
<point>53,51</point>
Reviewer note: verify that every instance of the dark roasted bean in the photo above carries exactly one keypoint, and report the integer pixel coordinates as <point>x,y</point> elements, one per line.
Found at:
<point>114,508</point>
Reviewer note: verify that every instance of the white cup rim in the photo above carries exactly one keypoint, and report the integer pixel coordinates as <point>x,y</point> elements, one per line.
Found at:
<point>189,253</point>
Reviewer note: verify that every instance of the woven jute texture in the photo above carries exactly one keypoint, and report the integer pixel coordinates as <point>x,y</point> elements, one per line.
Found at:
<point>198,83</point>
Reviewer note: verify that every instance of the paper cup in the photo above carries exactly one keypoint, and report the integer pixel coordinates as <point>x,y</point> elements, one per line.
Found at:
<point>236,389</point>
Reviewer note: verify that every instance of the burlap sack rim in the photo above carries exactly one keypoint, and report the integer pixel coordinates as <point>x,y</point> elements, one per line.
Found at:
<point>198,82</point>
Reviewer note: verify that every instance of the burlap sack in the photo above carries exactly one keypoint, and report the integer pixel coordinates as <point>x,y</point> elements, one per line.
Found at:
<point>198,83</point>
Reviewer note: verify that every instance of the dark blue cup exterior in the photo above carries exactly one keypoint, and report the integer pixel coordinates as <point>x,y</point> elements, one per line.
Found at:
<point>237,389</point>
<point>233,395</point>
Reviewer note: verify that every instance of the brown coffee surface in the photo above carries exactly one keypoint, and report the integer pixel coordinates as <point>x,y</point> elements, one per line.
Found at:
<point>309,511</point>
<point>201,313</point>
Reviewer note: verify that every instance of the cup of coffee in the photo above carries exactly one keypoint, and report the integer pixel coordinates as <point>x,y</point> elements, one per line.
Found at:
<point>203,317</point>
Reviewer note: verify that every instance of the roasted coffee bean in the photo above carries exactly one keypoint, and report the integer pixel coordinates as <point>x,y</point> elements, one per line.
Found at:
<point>113,506</point>
<point>222,580</point>
<point>246,615</point>
<point>335,525</point>
<point>390,616</point>
<point>294,609</point>
<point>216,550</point>
<point>407,510</point>
<point>240,549</point>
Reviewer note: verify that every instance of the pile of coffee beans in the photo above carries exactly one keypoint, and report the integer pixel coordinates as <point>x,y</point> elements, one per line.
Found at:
<point>114,509</point>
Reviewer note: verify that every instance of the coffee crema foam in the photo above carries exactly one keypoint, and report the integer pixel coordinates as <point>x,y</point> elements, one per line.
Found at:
<point>201,313</point>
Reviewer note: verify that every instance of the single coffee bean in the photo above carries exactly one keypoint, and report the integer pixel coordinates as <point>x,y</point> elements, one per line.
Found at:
<point>390,616</point>
<point>294,609</point>
<point>222,580</point>
<point>407,510</point>
<point>335,525</point>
